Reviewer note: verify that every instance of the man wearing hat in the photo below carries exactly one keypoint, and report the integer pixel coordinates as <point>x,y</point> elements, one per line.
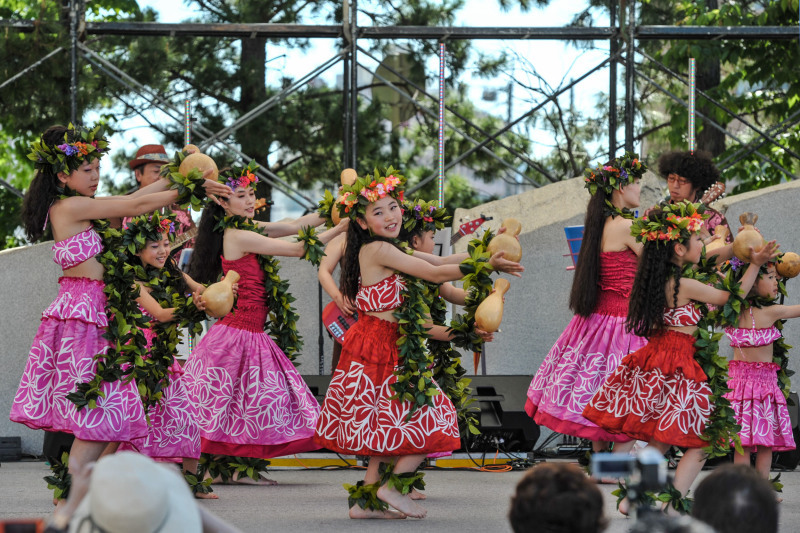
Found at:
<point>146,166</point>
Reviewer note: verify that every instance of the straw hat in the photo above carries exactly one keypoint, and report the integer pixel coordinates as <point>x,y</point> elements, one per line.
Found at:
<point>131,493</point>
<point>149,153</point>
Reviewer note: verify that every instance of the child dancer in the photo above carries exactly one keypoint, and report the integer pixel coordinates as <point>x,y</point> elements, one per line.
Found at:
<point>659,393</point>
<point>595,340</point>
<point>249,400</point>
<point>757,400</point>
<point>363,413</point>
<point>173,434</point>
<point>70,335</point>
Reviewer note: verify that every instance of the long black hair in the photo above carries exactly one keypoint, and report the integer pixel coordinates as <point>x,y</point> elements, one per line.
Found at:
<point>648,295</point>
<point>43,190</point>
<point>205,266</point>
<point>583,297</point>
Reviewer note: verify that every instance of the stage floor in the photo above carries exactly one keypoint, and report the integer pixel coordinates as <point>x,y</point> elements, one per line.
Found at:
<point>311,500</point>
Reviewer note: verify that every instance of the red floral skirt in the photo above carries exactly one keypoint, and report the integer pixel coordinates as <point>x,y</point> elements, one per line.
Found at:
<point>658,393</point>
<point>360,417</point>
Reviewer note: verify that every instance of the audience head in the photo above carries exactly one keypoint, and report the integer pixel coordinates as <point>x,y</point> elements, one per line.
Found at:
<point>147,163</point>
<point>131,493</point>
<point>557,497</point>
<point>656,522</point>
<point>735,499</point>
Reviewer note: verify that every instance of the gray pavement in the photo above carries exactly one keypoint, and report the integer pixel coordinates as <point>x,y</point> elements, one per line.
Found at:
<point>314,501</point>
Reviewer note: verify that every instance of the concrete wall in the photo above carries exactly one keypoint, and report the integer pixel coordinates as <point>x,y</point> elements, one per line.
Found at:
<point>536,309</point>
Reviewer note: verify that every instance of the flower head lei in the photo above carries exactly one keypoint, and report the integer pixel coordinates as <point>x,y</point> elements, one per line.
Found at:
<point>617,173</point>
<point>674,222</point>
<point>354,199</point>
<point>236,177</point>
<point>139,230</point>
<point>80,145</point>
<point>420,215</point>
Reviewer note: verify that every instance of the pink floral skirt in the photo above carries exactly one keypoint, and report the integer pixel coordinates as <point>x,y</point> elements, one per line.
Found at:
<point>585,354</point>
<point>62,355</point>
<point>248,398</point>
<point>359,415</point>
<point>759,405</point>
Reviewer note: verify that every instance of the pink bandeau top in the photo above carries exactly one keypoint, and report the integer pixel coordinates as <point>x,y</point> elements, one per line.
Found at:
<point>381,296</point>
<point>752,337</point>
<point>685,315</point>
<point>74,250</point>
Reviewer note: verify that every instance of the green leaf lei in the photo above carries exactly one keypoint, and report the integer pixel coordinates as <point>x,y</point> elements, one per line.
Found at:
<point>478,284</point>
<point>61,480</point>
<point>190,187</point>
<point>282,323</point>
<point>228,468</point>
<point>365,496</point>
<point>414,377</point>
<point>325,206</point>
<point>125,320</point>
<point>404,482</point>
<point>80,145</point>
<point>721,428</point>
<point>314,251</point>
<point>447,370</point>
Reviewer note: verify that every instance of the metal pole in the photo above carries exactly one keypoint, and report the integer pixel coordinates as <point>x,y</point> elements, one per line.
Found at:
<point>354,84</point>
<point>612,83</point>
<point>441,123</point>
<point>73,55</point>
<point>691,109</point>
<point>630,103</point>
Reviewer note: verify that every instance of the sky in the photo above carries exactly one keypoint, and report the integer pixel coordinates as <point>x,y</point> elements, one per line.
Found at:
<point>556,61</point>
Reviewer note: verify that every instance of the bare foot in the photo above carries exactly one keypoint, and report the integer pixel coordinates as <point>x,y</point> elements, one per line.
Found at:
<point>245,480</point>
<point>206,496</point>
<point>624,506</point>
<point>357,512</point>
<point>404,504</point>
<point>55,502</point>
<point>417,495</point>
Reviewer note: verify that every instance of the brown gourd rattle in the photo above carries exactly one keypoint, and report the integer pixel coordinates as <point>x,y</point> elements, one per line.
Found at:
<point>489,313</point>
<point>219,296</point>
<point>196,160</point>
<point>722,233</point>
<point>747,238</point>
<point>788,265</point>
<point>347,177</point>
<point>507,241</point>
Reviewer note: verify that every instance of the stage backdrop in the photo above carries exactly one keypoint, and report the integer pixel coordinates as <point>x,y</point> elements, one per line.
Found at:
<point>535,310</point>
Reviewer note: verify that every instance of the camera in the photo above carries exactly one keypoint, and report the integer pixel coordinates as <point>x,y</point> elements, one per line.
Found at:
<point>647,470</point>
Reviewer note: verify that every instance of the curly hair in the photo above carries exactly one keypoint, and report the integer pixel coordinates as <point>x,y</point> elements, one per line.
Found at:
<point>42,191</point>
<point>205,266</point>
<point>583,296</point>
<point>556,497</point>
<point>697,167</point>
<point>648,296</point>
<point>735,499</point>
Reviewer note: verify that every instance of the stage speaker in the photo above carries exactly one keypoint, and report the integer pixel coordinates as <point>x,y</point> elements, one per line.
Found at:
<point>791,458</point>
<point>502,419</point>
<point>55,444</point>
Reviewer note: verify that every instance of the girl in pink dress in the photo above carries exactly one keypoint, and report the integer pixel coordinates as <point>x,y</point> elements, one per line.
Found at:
<point>756,397</point>
<point>362,413</point>
<point>595,340</point>
<point>70,335</point>
<point>173,435</point>
<point>248,398</point>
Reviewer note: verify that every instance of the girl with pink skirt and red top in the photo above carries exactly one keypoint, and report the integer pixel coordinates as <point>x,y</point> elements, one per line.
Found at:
<point>595,340</point>
<point>756,397</point>
<point>249,399</point>
<point>71,332</point>
<point>362,414</point>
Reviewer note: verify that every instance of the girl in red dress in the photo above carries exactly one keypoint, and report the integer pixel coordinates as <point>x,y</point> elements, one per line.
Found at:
<point>362,413</point>
<point>659,393</point>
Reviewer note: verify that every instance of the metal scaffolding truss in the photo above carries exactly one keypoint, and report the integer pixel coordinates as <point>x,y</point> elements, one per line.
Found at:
<point>623,50</point>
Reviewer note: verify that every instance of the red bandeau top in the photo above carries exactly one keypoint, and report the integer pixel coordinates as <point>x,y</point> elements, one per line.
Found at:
<point>685,315</point>
<point>381,296</point>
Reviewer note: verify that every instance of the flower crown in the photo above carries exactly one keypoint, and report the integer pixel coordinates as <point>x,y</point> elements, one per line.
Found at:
<point>239,177</point>
<point>354,199</point>
<point>145,228</point>
<point>672,222</point>
<point>80,145</point>
<point>419,216</point>
<point>616,174</point>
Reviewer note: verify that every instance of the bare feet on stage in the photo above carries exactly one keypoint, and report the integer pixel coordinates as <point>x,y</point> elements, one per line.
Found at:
<point>624,506</point>
<point>245,480</point>
<point>357,512</point>
<point>206,496</point>
<point>404,504</point>
<point>417,495</point>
